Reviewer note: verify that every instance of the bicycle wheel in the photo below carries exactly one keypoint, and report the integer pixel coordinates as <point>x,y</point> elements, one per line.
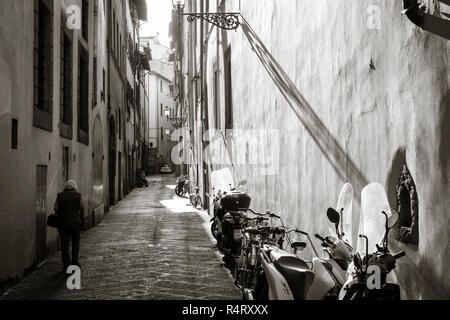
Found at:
<point>198,202</point>
<point>261,291</point>
<point>178,191</point>
<point>214,231</point>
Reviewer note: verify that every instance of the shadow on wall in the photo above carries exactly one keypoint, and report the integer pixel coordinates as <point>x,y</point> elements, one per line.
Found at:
<point>329,146</point>
<point>444,148</point>
<point>425,21</point>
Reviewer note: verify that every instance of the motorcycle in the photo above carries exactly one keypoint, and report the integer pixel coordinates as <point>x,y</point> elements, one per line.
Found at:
<point>233,204</point>
<point>141,181</point>
<point>367,277</point>
<point>331,273</point>
<point>288,277</point>
<point>216,220</point>
<point>219,211</point>
<point>182,186</point>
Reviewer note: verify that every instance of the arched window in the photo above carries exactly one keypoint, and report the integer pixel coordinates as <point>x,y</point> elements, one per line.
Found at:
<point>408,209</point>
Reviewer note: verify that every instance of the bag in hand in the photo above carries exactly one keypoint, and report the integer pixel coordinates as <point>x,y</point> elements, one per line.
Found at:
<point>52,221</point>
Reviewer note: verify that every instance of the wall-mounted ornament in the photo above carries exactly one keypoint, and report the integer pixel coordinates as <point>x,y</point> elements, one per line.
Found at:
<point>407,229</point>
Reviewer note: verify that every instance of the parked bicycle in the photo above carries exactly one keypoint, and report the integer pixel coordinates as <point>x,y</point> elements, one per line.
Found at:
<point>256,233</point>
<point>182,187</point>
<point>196,199</point>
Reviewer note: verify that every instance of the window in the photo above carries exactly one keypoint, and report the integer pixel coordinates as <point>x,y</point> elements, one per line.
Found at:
<point>138,98</point>
<point>162,133</point>
<point>113,33</point>
<point>228,92</point>
<point>14,133</point>
<point>65,163</point>
<point>161,111</point>
<point>85,19</point>
<point>120,124</point>
<point>94,93</point>
<point>217,98</point>
<point>120,49</point>
<point>83,102</point>
<point>66,85</point>
<point>117,39</point>
<point>103,86</point>
<point>161,86</point>
<point>43,64</point>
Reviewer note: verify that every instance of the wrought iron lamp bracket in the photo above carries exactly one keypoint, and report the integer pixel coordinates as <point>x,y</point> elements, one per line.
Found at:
<point>226,20</point>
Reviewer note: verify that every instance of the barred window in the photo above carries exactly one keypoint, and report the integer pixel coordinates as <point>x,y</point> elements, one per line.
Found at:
<point>83,98</point>
<point>85,19</point>
<point>66,84</point>
<point>43,64</point>
<point>228,91</point>
<point>95,88</point>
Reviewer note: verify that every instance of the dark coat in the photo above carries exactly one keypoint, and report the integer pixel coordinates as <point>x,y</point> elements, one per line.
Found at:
<point>69,209</point>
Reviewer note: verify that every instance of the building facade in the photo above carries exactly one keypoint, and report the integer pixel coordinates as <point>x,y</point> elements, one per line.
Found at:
<point>343,92</point>
<point>60,105</point>
<point>162,111</point>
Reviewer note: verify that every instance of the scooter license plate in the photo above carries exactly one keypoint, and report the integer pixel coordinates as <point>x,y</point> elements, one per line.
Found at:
<point>237,234</point>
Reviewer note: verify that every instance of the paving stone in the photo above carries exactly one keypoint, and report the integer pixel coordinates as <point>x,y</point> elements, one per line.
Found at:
<point>152,245</point>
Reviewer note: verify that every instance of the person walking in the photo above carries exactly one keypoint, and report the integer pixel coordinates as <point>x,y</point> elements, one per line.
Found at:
<point>69,210</point>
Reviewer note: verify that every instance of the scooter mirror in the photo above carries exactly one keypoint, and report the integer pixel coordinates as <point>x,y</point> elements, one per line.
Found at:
<point>298,245</point>
<point>242,183</point>
<point>333,216</point>
<point>393,218</point>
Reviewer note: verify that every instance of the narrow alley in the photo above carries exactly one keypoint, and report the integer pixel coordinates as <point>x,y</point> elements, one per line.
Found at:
<point>152,245</point>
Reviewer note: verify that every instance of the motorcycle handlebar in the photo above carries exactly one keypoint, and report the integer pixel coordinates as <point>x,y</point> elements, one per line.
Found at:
<point>318,236</point>
<point>399,255</point>
<point>325,241</point>
<point>268,213</point>
<point>258,218</point>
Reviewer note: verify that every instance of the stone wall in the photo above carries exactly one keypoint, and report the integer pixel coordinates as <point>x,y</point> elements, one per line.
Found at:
<point>36,146</point>
<point>376,98</point>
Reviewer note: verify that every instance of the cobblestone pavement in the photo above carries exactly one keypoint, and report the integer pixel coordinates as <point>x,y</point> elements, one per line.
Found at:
<point>152,245</point>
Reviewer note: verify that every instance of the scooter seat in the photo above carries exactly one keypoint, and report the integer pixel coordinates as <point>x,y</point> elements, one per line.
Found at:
<point>298,275</point>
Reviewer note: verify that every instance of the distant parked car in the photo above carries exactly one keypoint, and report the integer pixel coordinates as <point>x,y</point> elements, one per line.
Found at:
<point>166,169</point>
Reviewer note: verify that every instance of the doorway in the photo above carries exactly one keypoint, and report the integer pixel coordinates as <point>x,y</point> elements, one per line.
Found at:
<point>120,176</point>
<point>112,161</point>
<point>97,165</point>
<point>41,215</point>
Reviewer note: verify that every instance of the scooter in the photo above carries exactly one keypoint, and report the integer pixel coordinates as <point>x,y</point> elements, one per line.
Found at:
<point>233,202</point>
<point>331,273</point>
<point>288,277</point>
<point>218,213</point>
<point>367,277</point>
<point>291,278</point>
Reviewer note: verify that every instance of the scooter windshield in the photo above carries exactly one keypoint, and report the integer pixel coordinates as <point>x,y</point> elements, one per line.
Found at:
<point>345,203</point>
<point>372,224</point>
